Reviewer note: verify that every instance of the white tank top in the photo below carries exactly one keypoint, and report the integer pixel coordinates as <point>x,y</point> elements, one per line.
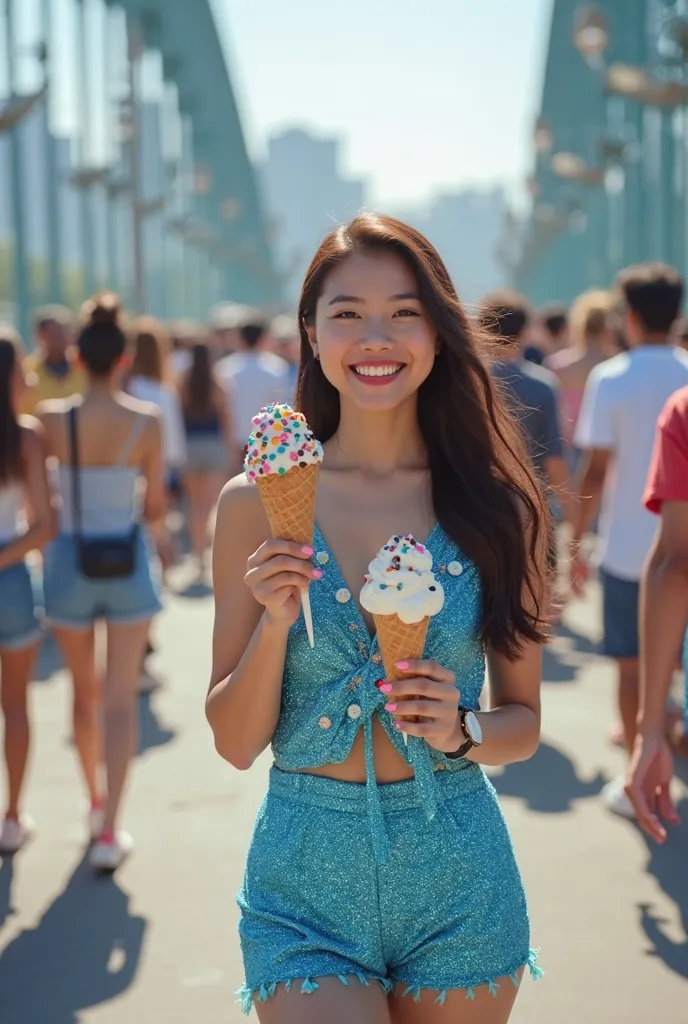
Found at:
<point>11,512</point>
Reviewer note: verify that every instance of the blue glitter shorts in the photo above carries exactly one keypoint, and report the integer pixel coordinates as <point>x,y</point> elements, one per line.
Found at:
<point>447,910</point>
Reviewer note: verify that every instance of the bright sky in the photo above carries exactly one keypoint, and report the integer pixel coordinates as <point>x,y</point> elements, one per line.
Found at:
<point>426,94</point>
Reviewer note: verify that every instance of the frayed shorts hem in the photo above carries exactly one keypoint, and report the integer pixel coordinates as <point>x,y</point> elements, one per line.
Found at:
<point>391,986</point>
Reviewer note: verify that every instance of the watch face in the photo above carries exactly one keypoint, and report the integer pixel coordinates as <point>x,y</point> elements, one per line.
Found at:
<point>473,728</point>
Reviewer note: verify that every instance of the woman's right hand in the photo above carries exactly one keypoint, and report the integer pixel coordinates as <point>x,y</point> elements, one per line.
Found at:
<point>276,574</point>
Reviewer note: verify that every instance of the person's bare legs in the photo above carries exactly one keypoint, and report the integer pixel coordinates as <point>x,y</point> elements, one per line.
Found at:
<point>457,1008</point>
<point>332,1002</point>
<point>16,672</point>
<point>628,697</point>
<point>78,648</point>
<point>199,512</point>
<point>125,648</point>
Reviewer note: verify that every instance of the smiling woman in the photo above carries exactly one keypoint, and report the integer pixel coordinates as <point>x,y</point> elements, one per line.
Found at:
<point>380,853</point>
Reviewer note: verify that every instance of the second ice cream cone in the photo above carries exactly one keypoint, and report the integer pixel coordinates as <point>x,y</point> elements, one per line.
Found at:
<point>400,641</point>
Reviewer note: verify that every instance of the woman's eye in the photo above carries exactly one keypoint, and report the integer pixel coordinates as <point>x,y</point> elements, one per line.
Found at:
<point>407,312</point>
<point>346,314</point>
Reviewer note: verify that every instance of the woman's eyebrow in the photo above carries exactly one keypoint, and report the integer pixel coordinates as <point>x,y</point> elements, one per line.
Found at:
<point>344,298</point>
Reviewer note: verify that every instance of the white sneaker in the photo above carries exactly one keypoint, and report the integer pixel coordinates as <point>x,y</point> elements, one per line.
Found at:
<point>107,855</point>
<point>616,801</point>
<point>13,833</point>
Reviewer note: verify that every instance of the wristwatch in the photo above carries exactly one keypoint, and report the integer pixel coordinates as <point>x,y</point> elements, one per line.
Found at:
<point>470,726</point>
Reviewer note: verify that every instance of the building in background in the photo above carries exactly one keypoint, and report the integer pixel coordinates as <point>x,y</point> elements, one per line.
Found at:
<point>466,227</point>
<point>305,193</point>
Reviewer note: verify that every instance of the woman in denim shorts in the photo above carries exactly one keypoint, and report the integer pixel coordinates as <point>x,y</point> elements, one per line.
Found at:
<point>118,485</point>
<point>25,525</point>
<point>381,884</point>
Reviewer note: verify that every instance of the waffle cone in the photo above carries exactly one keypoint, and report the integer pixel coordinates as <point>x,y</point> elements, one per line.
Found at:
<point>400,641</point>
<point>289,502</point>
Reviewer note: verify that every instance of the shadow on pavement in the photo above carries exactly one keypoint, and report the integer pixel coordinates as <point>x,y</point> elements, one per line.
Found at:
<point>6,876</point>
<point>668,865</point>
<point>195,590</point>
<point>151,731</point>
<point>582,644</point>
<point>547,783</point>
<point>556,669</point>
<point>84,951</point>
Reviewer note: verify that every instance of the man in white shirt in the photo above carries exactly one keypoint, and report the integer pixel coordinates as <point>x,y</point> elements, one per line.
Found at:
<point>252,378</point>
<point>623,399</point>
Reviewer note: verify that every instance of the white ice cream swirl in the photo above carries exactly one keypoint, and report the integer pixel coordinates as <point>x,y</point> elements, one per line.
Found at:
<point>400,582</point>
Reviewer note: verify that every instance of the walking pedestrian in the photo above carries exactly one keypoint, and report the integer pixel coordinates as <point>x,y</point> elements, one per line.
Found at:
<point>101,565</point>
<point>622,402</point>
<point>252,377</point>
<point>211,448</point>
<point>592,341</point>
<point>381,875</point>
<point>26,521</point>
<point>52,371</point>
<point>663,621</point>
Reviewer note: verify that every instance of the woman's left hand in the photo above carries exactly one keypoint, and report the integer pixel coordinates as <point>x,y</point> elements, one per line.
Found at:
<point>435,700</point>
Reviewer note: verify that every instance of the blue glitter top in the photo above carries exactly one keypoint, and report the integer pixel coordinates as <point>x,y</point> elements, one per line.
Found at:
<point>329,693</point>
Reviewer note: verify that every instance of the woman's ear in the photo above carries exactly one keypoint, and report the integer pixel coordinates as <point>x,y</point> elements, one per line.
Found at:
<point>310,331</point>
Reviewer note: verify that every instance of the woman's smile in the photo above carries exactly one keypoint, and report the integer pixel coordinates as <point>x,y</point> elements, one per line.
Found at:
<point>375,373</point>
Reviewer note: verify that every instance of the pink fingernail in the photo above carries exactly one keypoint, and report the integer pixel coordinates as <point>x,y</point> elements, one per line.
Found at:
<point>386,688</point>
<point>390,707</point>
<point>403,665</point>
<point>317,573</point>
<point>397,725</point>
<point>306,550</point>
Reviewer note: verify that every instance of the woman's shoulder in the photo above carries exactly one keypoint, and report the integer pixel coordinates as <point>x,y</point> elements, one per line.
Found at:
<point>139,407</point>
<point>240,510</point>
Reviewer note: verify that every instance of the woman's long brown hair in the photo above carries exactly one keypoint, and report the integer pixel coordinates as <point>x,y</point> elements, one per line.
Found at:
<point>11,462</point>
<point>484,491</point>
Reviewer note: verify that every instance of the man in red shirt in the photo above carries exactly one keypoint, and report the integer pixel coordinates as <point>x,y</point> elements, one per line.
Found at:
<point>663,619</point>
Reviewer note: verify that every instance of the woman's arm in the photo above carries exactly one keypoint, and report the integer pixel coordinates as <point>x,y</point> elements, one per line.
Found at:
<point>39,507</point>
<point>153,471</point>
<point>250,641</point>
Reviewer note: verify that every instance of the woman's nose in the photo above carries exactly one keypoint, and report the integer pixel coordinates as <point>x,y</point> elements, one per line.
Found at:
<point>375,335</point>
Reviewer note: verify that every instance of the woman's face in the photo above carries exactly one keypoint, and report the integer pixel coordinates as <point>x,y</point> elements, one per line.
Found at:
<point>375,342</point>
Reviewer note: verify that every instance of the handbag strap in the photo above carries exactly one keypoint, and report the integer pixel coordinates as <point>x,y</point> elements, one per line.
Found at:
<point>76,482</point>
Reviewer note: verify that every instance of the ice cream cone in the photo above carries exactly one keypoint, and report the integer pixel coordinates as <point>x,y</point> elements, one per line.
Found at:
<point>400,641</point>
<point>289,503</point>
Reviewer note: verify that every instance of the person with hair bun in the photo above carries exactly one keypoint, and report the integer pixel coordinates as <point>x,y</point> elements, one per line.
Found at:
<point>381,882</point>
<point>26,523</point>
<point>101,565</point>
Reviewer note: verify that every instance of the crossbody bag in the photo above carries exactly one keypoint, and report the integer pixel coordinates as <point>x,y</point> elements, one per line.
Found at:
<point>100,558</point>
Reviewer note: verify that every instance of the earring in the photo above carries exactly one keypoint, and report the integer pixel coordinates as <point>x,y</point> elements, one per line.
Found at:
<point>316,354</point>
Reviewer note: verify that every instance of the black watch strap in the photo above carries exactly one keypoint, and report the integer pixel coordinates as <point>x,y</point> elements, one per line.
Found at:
<point>455,755</point>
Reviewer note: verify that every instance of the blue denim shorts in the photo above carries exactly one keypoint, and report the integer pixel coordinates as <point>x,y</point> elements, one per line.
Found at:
<point>19,625</point>
<point>620,615</point>
<point>447,910</point>
<point>74,601</point>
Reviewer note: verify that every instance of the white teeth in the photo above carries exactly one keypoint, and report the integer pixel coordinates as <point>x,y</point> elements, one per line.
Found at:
<point>377,371</point>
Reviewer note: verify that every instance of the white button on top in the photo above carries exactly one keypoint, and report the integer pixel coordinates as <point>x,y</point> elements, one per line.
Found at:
<point>322,558</point>
<point>455,568</point>
<point>324,722</point>
<point>353,711</point>
<point>343,595</point>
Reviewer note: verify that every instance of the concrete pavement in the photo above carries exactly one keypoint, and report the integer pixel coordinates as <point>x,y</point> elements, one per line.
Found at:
<point>158,944</point>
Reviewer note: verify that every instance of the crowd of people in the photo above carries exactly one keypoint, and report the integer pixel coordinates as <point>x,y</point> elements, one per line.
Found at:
<point>109,426</point>
<point>114,430</point>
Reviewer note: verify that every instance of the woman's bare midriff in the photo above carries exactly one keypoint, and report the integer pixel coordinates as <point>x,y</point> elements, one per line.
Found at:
<point>389,764</point>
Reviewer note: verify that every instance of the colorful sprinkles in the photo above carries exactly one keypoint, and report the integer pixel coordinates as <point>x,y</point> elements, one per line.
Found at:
<point>280,441</point>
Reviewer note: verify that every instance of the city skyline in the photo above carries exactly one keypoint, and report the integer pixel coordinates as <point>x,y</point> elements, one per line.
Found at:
<point>422,112</point>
